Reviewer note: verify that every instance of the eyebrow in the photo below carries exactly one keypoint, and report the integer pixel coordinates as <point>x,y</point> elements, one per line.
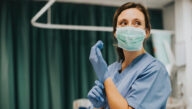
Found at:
<point>138,19</point>
<point>122,20</point>
<point>133,19</point>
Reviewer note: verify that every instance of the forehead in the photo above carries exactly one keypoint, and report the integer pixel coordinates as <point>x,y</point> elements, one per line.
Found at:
<point>131,13</point>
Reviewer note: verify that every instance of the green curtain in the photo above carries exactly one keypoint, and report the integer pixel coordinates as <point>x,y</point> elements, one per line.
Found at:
<point>48,69</point>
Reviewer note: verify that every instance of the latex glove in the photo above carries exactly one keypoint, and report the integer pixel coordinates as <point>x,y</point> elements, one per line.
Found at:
<point>97,96</point>
<point>97,61</point>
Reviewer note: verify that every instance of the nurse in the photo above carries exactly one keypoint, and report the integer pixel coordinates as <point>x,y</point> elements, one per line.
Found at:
<point>137,80</point>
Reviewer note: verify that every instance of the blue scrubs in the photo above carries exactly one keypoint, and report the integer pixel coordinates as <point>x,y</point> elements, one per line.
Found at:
<point>144,83</point>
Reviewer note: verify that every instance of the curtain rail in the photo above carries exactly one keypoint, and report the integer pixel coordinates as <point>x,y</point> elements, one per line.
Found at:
<point>48,25</point>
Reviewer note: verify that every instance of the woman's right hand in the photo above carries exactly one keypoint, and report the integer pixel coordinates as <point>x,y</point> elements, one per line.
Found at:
<point>97,61</point>
<point>97,96</point>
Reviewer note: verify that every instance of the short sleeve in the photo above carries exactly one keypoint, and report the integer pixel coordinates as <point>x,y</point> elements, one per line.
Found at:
<point>150,90</point>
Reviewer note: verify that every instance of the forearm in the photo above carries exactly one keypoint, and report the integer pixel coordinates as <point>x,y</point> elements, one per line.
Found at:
<point>115,99</point>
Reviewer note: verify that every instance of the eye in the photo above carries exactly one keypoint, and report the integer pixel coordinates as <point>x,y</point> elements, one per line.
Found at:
<point>123,23</point>
<point>137,23</point>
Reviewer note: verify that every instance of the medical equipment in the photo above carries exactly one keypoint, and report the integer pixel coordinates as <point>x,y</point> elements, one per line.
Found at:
<point>97,61</point>
<point>130,38</point>
<point>96,95</point>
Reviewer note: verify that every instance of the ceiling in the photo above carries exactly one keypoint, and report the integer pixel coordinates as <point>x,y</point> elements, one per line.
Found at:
<point>148,3</point>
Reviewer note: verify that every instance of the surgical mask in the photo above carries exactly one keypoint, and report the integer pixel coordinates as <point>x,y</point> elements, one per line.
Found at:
<point>130,38</point>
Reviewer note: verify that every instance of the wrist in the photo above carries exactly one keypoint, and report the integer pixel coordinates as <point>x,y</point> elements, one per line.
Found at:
<point>107,80</point>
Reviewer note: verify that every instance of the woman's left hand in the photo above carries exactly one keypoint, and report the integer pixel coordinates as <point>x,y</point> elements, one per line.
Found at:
<point>97,95</point>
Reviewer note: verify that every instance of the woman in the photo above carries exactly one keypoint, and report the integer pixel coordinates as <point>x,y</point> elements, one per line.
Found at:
<point>137,80</point>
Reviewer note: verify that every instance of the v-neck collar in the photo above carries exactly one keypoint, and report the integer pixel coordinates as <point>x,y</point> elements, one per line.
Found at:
<point>132,63</point>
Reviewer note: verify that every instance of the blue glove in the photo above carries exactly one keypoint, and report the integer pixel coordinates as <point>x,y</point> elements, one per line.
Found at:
<point>97,61</point>
<point>97,96</point>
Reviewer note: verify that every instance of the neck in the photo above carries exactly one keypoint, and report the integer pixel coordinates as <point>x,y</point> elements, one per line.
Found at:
<point>130,56</point>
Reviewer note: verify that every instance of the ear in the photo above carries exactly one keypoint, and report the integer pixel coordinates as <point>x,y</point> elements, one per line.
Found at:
<point>147,33</point>
<point>114,34</point>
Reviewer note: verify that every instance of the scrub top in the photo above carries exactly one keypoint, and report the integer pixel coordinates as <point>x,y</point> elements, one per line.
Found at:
<point>144,83</point>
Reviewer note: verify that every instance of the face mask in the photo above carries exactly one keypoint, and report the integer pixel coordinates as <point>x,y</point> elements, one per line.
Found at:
<point>130,38</point>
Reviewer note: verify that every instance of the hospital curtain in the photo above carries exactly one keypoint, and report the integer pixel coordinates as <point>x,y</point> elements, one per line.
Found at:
<point>48,69</point>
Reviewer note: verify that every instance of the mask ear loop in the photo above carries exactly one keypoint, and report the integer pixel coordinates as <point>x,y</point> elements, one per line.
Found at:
<point>115,39</point>
<point>115,42</point>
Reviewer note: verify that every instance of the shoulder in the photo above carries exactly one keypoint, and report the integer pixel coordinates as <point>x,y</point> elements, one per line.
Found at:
<point>153,65</point>
<point>158,71</point>
<point>156,66</point>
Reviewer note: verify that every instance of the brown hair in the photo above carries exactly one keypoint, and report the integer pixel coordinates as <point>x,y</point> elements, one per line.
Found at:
<point>118,12</point>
